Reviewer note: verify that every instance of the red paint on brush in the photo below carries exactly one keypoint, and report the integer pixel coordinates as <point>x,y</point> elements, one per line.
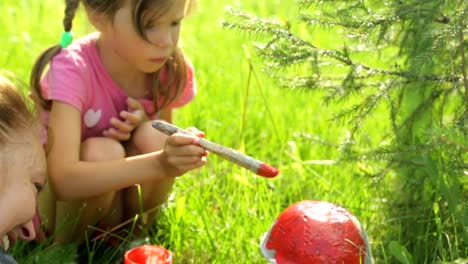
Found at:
<point>268,171</point>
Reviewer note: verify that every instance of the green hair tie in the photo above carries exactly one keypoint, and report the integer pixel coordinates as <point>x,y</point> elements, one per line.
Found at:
<point>67,38</point>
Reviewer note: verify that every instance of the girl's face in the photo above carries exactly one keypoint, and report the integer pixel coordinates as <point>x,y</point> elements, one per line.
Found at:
<point>22,175</point>
<point>127,46</point>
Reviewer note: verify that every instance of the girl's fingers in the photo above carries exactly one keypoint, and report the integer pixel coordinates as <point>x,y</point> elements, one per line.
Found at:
<point>179,161</point>
<point>179,139</point>
<point>183,153</point>
<point>135,117</point>
<point>182,164</point>
<point>135,113</point>
<point>186,150</point>
<point>196,132</point>
<point>122,126</point>
<point>133,104</point>
<point>184,146</point>
<point>121,129</point>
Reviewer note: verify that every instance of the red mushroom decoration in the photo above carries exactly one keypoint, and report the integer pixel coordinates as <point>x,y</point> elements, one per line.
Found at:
<point>310,232</point>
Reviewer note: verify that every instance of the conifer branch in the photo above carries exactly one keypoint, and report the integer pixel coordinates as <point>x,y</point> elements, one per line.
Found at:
<point>286,49</point>
<point>463,64</point>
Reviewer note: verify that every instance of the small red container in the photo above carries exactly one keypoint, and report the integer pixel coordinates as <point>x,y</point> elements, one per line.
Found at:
<point>148,254</point>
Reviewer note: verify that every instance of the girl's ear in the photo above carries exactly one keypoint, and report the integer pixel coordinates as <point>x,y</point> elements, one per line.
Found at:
<point>97,19</point>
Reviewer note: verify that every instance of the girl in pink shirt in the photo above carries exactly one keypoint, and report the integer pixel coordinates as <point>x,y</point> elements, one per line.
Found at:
<point>98,98</point>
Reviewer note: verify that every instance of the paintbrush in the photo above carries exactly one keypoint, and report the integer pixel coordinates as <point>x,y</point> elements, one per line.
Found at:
<point>230,154</point>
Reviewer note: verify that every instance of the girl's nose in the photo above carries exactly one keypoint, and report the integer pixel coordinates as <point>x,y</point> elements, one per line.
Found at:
<point>27,231</point>
<point>161,38</point>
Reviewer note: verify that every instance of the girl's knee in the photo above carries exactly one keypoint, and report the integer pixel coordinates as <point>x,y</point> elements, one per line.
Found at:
<point>100,149</point>
<point>147,139</point>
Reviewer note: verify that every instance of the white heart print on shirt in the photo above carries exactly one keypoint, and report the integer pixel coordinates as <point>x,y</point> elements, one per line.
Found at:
<point>92,117</point>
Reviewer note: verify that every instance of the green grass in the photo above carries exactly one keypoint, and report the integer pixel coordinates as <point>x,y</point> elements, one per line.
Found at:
<point>218,213</point>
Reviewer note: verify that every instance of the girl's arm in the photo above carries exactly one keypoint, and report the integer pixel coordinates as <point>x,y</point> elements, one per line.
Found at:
<point>74,179</point>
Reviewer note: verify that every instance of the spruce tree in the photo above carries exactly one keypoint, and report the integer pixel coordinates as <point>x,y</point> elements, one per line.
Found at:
<point>411,57</point>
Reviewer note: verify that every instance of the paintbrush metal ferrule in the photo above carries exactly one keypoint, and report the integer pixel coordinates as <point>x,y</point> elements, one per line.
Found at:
<point>230,154</point>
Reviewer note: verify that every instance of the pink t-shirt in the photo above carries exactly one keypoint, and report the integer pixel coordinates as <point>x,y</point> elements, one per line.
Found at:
<point>77,77</point>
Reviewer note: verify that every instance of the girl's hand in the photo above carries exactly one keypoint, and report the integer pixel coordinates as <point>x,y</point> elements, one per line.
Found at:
<point>122,129</point>
<point>196,132</point>
<point>181,154</point>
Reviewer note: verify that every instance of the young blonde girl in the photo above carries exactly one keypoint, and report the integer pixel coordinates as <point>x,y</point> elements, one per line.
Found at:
<point>98,98</point>
<point>22,167</point>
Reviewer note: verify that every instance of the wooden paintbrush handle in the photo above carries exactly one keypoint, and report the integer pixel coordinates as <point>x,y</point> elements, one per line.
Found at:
<point>230,154</point>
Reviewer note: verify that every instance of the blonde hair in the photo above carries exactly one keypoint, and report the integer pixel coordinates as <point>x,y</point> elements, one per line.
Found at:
<point>175,67</point>
<point>15,114</point>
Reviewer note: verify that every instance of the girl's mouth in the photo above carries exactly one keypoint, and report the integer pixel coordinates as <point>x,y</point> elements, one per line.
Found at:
<point>159,60</point>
